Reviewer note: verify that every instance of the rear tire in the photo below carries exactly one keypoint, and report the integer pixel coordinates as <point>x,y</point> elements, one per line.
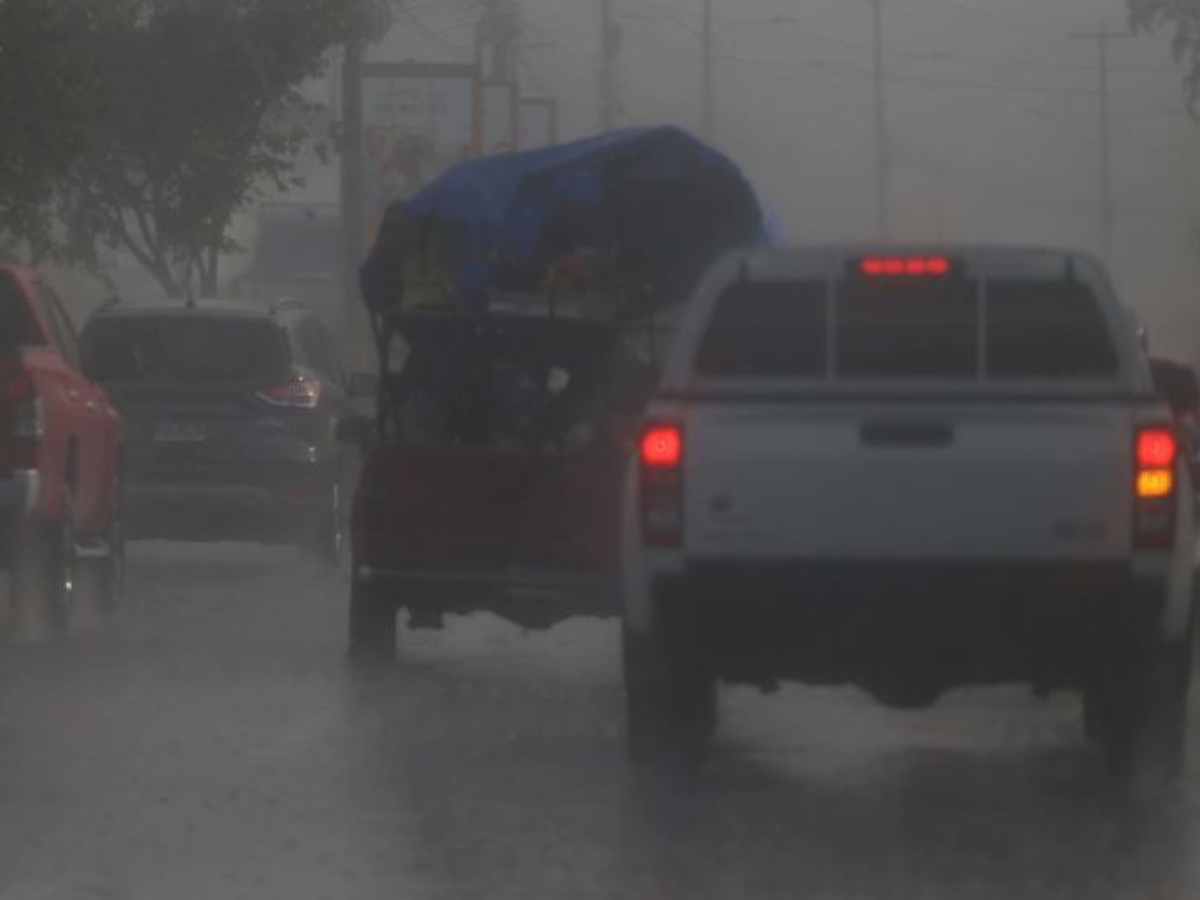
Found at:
<point>43,578</point>
<point>372,626</point>
<point>101,579</point>
<point>671,705</point>
<point>1140,717</point>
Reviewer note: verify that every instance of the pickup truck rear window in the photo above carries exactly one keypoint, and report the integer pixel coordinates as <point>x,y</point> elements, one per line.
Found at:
<point>1047,329</point>
<point>901,328</point>
<point>768,330</point>
<point>923,328</point>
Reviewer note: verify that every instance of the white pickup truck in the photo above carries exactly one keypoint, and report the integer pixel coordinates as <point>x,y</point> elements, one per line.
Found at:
<point>911,472</point>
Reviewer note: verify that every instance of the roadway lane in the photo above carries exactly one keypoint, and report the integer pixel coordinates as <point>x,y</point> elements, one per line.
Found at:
<point>211,743</point>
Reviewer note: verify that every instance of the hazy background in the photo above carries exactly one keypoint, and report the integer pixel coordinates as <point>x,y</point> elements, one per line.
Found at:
<point>993,115</point>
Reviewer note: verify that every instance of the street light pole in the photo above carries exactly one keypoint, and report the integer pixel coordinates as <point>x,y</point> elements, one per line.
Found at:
<point>708,33</point>
<point>882,162</point>
<point>706,128</point>
<point>1103,38</point>
<point>351,191</point>
<point>606,64</point>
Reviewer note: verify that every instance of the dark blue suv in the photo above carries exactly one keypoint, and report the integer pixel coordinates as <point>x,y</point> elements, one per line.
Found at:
<point>230,415</point>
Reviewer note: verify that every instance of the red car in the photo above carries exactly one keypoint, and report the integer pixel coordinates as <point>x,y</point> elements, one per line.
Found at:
<point>59,460</point>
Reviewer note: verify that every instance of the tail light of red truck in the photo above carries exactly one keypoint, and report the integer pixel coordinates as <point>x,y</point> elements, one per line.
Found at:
<point>1156,454</point>
<point>661,485</point>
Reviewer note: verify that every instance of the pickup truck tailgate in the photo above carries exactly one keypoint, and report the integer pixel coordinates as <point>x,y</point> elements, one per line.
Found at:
<point>468,508</point>
<point>909,480</point>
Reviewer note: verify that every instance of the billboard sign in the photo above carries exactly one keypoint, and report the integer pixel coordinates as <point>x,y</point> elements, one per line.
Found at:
<point>418,120</point>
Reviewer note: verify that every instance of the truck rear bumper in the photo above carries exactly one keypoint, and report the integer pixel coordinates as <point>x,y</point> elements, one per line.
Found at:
<point>531,598</point>
<point>931,627</point>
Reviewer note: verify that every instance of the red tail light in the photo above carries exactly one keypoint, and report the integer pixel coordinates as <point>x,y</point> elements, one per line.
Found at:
<point>1157,448</point>
<point>1156,454</point>
<point>662,447</point>
<point>301,393</point>
<point>661,485</point>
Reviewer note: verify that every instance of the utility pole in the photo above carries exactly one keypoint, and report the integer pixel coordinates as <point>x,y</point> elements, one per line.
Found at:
<point>1103,37</point>
<point>351,190</point>
<point>706,119</point>
<point>607,52</point>
<point>497,40</point>
<point>883,215</point>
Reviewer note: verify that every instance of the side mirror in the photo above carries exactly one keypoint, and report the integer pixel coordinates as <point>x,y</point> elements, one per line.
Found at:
<point>1178,384</point>
<point>354,430</point>
<point>364,386</point>
<point>111,362</point>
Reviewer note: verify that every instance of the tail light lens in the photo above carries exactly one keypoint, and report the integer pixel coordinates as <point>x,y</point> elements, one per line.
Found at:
<point>1155,488</point>
<point>300,393</point>
<point>905,266</point>
<point>28,422</point>
<point>661,485</point>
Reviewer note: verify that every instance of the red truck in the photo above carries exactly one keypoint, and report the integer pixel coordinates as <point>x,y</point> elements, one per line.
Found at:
<point>522,306</point>
<point>59,460</point>
<point>491,480</point>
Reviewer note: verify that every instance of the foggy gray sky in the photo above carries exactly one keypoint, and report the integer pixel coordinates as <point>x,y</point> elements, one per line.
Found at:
<point>994,138</point>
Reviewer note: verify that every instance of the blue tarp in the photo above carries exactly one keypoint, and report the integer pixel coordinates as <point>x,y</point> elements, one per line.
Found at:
<point>677,201</point>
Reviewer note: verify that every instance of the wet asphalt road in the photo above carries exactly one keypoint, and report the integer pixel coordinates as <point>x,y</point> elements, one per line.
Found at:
<point>210,742</point>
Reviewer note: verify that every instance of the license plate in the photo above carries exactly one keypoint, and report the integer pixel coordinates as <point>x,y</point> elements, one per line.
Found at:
<point>176,432</point>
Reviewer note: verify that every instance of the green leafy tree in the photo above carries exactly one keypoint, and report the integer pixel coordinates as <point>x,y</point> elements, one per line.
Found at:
<point>200,113</point>
<point>145,125</point>
<point>1182,19</point>
<point>46,86</point>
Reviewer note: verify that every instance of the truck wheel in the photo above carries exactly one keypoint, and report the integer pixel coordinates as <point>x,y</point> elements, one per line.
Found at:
<point>100,578</point>
<point>1141,718</point>
<point>671,705</point>
<point>43,578</point>
<point>372,626</point>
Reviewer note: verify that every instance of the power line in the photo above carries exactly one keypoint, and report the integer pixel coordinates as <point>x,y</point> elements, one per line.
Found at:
<point>1103,39</point>
<point>443,42</point>
<point>538,32</point>
<point>805,36</point>
<point>988,183</point>
<point>1025,89</point>
<point>1038,65</point>
<point>825,68</point>
<point>1022,25</point>
<point>957,57</point>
